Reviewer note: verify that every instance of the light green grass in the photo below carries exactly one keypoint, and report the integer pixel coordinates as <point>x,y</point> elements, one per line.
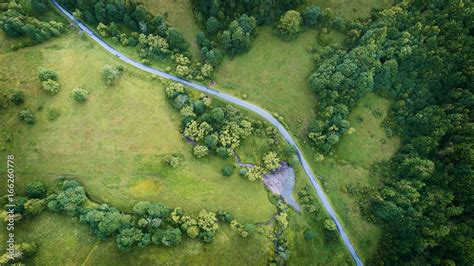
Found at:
<point>180,15</point>
<point>62,240</point>
<point>115,142</point>
<point>274,75</point>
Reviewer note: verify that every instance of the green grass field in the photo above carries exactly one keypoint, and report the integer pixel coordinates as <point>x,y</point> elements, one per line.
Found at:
<point>273,74</point>
<point>114,143</point>
<point>78,246</point>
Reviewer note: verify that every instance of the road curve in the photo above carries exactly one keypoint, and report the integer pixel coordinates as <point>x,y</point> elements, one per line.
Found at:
<point>227,97</point>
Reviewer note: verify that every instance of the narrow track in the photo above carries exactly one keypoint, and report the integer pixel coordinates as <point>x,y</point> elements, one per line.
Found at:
<point>227,97</point>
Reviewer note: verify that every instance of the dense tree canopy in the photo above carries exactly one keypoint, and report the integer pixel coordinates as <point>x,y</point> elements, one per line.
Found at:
<point>16,22</point>
<point>421,56</point>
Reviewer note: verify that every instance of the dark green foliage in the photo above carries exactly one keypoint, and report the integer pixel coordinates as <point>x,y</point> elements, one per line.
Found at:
<point>27,116</point>
<point>217,115</point>
<point>227,10</point>
<point>310,16</point>
<point>421,56</point>
<point>199,107</point>
<point>128,237</point>
<point>207,236</point>
<point>225,216</point>
<point>239,35</point>
<point>105,221</point>
<point>309,235</point>
<point>38,6</point>
<point>227,170</point>
<point>18,205</point>
<point>211,141</point>
<point>16,22</point>
<point>176,41</point>
<point>35,190</point>
<point>68,184</point>
<point>202,40</point>
<point>17,98</point>
<point>151,210</point>
<point>222,152</point>
<point>167,237</point>
<point>213,25</point>
<point>69,200</point>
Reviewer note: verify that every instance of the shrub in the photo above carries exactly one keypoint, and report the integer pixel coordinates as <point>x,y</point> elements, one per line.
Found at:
<point>222,152</point>
<point>173,160</point>
<point>271,161</point>
<point>309,235</point>
<point>111,74</point>
<point>225,216</point>
<point>227,170</point>
<point>243,172</point>
<point>53,114</point>
<point>17,98</point>
<point>80,95</point>
<point>311,15</point>
<point>211,140</point>
<point>27,116</point>
<point>50,86</point>
<point>255,173</point>
<point>45,74</point>
<point>200,151</point>
<point>329,225</point>
<point>36,190</point>
<point>34,206</point>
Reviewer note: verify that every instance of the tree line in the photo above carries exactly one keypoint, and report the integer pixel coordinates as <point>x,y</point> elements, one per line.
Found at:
<point>15,21</point>
<point>149,223</point>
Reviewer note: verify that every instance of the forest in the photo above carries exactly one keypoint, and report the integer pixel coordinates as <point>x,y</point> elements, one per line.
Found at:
<point>421,56</point>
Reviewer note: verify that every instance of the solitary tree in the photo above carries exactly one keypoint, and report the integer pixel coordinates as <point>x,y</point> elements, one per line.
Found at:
<point>80,95</point>
<point>289,25</point>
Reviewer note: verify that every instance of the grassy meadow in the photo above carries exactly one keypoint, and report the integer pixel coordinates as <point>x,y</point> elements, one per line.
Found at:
<point>114,143</point>
<point>349,168</point>
<point>274,75</point>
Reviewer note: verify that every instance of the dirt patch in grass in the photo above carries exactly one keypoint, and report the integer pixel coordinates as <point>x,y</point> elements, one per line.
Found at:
<point>281,182</point>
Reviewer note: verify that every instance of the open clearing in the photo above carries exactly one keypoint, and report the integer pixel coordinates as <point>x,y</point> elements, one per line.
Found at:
<point>115,142</point>
<point>349,168</point>
<point>273,74</point>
